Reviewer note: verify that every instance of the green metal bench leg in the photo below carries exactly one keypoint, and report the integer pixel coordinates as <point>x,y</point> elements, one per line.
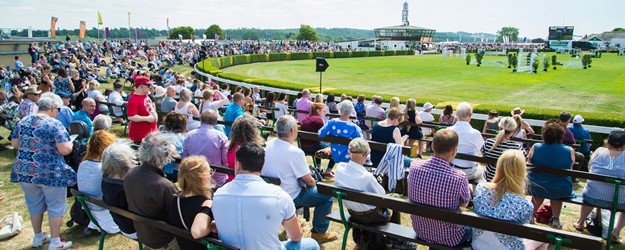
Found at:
<point>558,240</point>
<point>85,207</point>
<point>210,246</point>
<point>617,188</point>
<point>339,197</point>
<point>140,245</point>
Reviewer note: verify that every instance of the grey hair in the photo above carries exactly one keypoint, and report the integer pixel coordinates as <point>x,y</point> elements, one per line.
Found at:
<point>156,150</point>
<point>185,95</point>
<point>464,110</point>
<point>86,101</point>
<point>285,125</point>
<point>305,92</point>
<point>118,158</point>
<point>102,122</point>
<point>49,101</point>
<point>345,107</point>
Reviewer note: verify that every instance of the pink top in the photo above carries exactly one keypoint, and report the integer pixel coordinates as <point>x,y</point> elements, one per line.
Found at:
<point>231,158</point>
<point>303,104</point>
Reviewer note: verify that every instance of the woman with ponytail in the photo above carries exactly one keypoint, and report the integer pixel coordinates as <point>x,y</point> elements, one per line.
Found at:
<point>191,208</point>
<point>494,147</point>
<point>504,199</point>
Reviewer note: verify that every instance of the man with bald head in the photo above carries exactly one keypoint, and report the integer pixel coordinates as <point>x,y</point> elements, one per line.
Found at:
<point>84,114</point>
<point>169,103</point>
<point>209,142</point>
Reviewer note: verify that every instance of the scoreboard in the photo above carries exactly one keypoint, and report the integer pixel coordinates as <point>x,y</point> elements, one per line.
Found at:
<point>560,33</point>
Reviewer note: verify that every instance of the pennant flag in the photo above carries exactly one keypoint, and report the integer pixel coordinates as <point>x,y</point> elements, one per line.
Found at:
<point>128,18</point>
<point>136,33</point>
<point>83,29</point>
<point>216,37</point>
<point>204,36</point>
<point>99,18</point>
<point>106,32</point>
<point>53,26</point>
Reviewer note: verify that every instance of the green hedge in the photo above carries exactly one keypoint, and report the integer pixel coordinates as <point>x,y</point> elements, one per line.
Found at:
<point>225,62</point>
<point>254,58</point>
<point>342,54</point>
<point>301,56</point>
<point>240,59</point>
<point>360,53</point>
<point>390,52</point>
<point>376,53</point>
<point>323,54</point>
<point>277,57</point>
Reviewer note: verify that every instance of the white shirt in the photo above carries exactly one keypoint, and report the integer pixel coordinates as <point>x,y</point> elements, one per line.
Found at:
<point>282,109</point>
<point>286,162</point>
<point>116,98</point>
<point>354,176</point>
<point>470,142</point>
<point>426,117</point>
<point>249,212</point>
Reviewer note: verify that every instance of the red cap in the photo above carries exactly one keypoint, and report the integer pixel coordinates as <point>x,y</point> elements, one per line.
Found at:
<point>140,80</point>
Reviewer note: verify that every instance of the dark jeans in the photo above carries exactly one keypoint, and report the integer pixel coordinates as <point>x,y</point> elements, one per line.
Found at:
<point>311,150</point>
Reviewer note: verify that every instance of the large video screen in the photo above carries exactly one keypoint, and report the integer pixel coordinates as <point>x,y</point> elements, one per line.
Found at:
<point>561,33</point>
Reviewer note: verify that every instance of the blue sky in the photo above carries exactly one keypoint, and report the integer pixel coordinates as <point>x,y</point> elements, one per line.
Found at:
<point>532,17</point>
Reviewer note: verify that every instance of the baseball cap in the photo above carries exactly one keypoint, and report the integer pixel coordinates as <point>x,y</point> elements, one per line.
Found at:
<point>141,80</point>
<point>578,119</point>
<point>427,106</point>
<point>359,146</point>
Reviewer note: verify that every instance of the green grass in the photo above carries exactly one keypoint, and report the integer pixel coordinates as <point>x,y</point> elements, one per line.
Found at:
<point>14,202</point>
<point>433,78</point>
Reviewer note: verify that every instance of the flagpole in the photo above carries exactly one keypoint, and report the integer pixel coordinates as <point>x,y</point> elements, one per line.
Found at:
<point>129,25</point>
<point>98,31</point>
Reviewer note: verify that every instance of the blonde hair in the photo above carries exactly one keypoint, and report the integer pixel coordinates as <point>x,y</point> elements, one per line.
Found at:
<point>319,98</point>
<point>510,176</point>
<point>394,104</point>
<point>519,123</point>
<point>195,176</point>
<point>507,126</point>
<point>411,104</point>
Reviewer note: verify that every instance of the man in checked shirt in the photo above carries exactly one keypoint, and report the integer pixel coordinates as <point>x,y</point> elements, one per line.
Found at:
<point>435,183</point>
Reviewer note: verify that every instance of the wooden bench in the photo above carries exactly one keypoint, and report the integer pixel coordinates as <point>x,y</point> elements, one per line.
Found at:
<point>210,243</point>
<point>528,231</point>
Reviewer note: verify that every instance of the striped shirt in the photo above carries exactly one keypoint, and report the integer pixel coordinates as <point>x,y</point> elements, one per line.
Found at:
<point>496,152</point>
<point>435,183</point>
<point>610,166</point>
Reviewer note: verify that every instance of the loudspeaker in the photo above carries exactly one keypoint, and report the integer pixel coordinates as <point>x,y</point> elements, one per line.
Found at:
<point>321,65</point>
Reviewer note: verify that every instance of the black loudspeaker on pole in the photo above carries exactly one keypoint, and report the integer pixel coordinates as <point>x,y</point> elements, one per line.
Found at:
<point>320,66</point>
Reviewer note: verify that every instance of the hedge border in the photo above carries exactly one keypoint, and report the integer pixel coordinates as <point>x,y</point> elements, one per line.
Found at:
<point>213,66</point>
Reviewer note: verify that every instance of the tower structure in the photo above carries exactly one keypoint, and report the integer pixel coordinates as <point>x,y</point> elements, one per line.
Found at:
<point>404,14</point>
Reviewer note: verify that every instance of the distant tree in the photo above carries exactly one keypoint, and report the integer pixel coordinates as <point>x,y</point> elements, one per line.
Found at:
<point>618,30</point>
<point>511,32</point>
<point>307,33</point>
<point>186,31</point>
<point>214,30</point>
<point>538,40</point>
<point>279,37</point>
<point>250,35</point>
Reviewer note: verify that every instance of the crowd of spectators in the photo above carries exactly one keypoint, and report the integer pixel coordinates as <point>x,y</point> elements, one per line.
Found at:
<point>190,143</point>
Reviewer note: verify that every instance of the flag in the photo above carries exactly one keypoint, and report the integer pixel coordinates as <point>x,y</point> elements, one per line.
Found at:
<point>524,39</point>
<point>30,31</point>
<point>216,37</point>
<point>99,18</point>
<point>53,26</point>
<point>83,29</point>
<point>128,18</point>
<point>204,36</point>
<point>106,32</point>
<point>136,33</point>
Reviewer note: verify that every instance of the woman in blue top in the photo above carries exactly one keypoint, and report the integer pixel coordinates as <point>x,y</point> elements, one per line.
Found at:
<point>63,84</point>
<point>609,161</point>
<point>552,154</point>
<point>341,127</point>
<point>504,199</point>
<point>40,169</point>
<point>387,131</point>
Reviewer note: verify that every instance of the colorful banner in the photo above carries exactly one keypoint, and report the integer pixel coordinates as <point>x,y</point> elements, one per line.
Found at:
<point>216,37</point>
<point>425,39</point>
<point>83,29</point>
<point>136,33</point>
<point>106,32</point>
<point>53,26</point>
<point>99,18</point>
